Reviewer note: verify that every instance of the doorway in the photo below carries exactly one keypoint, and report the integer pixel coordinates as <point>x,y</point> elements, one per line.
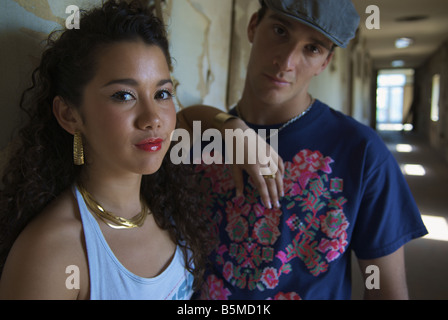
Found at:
<point>394,99</point>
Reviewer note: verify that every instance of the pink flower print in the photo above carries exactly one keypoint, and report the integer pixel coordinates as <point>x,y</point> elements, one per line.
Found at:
<point>305,177</point>
<point>259,210</point>
<point>282,256</point>
<point>220,177</point>
<point>312,161</point>
<point>273,215</point>
<point>237,207</point>
<point>287,296</point>
<point>237,229</point>
<point>269,277</point>
<point>237,225</point>
<point>332,255</point>
<point>266,229</point>
<point>292,171</point>
<point>266,232</point>
<point>332,247</point>
<point>295,190</point>
<point>222,249</point>
<point>216,289</point>
<point>304,167</point>
<point>228,271</point>
<point>334,223</point>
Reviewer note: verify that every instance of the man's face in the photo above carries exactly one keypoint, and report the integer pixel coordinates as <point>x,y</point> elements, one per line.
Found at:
<point>285,56</point>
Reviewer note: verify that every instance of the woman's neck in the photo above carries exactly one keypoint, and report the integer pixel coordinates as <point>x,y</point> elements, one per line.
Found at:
<point>118,194</point>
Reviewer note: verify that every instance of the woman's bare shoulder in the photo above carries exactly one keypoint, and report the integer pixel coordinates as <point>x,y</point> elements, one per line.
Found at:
<point>58,225</point>
<point>37,264</point>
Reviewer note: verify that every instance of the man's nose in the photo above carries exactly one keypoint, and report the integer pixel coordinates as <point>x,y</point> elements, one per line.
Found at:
<point>288,57</point>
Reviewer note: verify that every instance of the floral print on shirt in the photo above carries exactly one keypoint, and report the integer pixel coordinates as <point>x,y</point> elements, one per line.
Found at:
<point>312,226</point>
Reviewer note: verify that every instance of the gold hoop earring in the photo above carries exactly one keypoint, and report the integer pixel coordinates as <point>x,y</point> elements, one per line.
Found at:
<point>78,150</point>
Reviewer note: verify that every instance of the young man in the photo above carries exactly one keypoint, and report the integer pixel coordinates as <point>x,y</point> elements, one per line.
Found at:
<point>342,189</point>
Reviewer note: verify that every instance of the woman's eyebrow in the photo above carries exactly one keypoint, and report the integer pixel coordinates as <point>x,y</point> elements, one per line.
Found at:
<point>133,82</point>
<point>164,81</point>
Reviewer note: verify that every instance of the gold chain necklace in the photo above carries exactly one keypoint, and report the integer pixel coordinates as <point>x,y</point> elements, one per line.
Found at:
<point>293,119</point>
<point>112,220</point>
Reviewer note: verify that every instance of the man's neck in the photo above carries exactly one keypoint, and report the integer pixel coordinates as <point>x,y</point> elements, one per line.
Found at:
<point>255,111</point>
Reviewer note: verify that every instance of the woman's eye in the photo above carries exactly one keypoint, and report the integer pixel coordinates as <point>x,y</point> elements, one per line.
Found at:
<point>123,96</point>
<point>164,95</point>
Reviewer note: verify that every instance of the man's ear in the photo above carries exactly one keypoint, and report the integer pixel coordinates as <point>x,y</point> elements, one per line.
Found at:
<point>325,63</point>
<point>67,116</point>
<point>252,26</point>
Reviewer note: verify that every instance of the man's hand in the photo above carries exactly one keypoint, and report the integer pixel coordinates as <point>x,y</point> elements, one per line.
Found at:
<point>258,159</point>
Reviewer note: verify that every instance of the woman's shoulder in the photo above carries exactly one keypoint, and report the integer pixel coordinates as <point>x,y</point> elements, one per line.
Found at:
<point>48,246</point>
<point>59,222</point>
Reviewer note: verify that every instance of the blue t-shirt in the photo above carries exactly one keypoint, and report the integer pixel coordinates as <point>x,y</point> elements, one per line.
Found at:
<point>343,191</point>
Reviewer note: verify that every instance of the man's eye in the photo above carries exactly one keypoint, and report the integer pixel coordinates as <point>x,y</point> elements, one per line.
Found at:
<point>123,96</point>
<point>314,49</point>
<point>279,30</point>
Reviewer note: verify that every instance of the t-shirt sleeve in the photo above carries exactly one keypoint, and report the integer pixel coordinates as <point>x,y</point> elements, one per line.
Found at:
<point>388,216</point>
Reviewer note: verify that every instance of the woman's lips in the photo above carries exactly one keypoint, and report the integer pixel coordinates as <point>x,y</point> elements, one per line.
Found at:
<point>150,145</point>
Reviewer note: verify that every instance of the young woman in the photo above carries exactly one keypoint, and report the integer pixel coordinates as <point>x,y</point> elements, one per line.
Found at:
<point>91,208</point>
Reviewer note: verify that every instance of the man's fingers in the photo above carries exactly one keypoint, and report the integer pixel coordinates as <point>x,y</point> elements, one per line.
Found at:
<point>272,186</point>
<point>237,174</point>
<point>279,178</point>
<point>263,189</point>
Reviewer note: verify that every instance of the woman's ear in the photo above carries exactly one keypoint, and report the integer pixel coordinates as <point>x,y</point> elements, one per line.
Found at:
<point>67,116</point>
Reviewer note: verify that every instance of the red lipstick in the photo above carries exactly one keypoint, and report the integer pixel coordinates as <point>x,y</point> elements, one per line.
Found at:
<point>150,145</point>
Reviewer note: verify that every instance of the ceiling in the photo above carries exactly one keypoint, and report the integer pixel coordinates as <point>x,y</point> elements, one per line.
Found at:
<point>428,27</point>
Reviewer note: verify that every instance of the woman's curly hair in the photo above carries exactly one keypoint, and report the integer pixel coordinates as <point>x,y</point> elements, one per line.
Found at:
<point>41,167</point>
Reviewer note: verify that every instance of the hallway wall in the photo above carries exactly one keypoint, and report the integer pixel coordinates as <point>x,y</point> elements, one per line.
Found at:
<point>436,132</point>
<point>24,24</point>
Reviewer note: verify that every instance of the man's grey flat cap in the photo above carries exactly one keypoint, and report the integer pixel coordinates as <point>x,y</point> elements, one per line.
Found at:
<point>336,19</point>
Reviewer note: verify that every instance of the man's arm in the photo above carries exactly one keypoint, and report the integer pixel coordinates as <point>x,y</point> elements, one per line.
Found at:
<point>392,276</point>
<point>202,113</point>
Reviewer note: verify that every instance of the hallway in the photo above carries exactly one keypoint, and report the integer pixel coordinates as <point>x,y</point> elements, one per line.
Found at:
<point>426,258</point>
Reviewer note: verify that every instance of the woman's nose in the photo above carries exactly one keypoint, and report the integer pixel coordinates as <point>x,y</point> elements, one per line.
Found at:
<point>148,117</point>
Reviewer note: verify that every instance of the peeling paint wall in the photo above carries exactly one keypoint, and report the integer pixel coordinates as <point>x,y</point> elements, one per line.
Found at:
<point>332,85</point>
<point>199,32</point>
<point>24,24</point>
<point>240,48</point>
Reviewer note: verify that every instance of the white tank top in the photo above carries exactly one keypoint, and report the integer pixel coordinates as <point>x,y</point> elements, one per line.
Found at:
<point>110,280</point>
